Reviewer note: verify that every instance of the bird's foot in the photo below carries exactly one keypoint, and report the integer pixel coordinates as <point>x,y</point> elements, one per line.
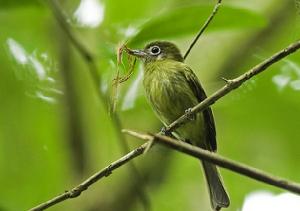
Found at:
<point>189,114</point>
<point>164,131</point>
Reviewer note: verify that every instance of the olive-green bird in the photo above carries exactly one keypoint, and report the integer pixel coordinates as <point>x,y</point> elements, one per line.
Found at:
<point>172,88</point>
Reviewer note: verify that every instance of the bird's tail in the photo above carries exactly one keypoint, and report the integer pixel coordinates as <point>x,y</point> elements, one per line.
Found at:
<point>218,195</point>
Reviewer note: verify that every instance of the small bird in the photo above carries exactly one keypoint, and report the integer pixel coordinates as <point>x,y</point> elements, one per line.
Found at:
<point>172,88</point>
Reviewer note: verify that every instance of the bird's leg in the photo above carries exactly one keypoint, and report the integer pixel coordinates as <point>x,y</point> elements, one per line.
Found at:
<point>189,114</point>
<point>163,131</point>
<point>188,141</point>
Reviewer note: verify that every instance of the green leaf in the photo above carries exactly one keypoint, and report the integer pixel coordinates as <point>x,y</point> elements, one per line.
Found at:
<point>188,20</point>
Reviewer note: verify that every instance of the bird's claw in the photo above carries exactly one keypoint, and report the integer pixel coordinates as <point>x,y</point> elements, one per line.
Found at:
<point>189,114</point>
<point>164,131</point>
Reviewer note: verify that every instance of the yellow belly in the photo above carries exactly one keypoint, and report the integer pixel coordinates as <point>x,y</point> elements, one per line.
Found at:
<point>170,96</point>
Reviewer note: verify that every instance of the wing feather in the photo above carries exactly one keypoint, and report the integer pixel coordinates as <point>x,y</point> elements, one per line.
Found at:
<point>207,113</point>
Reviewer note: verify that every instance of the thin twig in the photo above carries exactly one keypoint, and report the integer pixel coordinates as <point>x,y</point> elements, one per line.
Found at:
<point>221,161</point>
<point>231,85</point>
<point>209,19</point>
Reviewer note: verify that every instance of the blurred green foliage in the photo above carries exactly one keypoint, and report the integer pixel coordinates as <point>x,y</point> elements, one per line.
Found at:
<point>161,27</point>
<point>46,118</point>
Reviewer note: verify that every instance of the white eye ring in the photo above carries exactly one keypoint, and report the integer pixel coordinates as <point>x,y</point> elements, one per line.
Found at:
<point>155,50</point>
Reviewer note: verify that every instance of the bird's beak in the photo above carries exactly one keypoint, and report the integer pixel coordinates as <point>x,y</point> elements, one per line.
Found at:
<point>137,53</point>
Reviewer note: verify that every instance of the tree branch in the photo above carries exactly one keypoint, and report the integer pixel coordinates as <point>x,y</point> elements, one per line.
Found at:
<point>235,83</point>
<point>231,85</point>
<point>205,25</point>
<point>76,191</point>
<point>221,161</point>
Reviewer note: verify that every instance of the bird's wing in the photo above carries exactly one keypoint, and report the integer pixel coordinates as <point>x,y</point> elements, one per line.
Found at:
<point>207,113</point>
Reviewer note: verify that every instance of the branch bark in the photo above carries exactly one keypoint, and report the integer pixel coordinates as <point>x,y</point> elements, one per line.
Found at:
<point>221,161</point>
<point>230,86</point>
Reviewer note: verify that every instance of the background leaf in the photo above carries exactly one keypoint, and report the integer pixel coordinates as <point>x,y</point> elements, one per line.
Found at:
<point>188,20</point>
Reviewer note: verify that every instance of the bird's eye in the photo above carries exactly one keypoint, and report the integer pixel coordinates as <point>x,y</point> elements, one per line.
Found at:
<point>155,50</point>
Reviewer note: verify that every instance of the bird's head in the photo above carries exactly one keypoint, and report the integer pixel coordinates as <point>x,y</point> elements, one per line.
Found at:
<point>158,50</point>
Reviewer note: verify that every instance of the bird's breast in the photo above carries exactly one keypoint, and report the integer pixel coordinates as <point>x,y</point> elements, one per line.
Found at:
<point>169,93</point>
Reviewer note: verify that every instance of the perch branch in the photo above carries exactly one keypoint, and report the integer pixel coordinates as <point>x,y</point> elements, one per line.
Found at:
<point>221,161</point>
